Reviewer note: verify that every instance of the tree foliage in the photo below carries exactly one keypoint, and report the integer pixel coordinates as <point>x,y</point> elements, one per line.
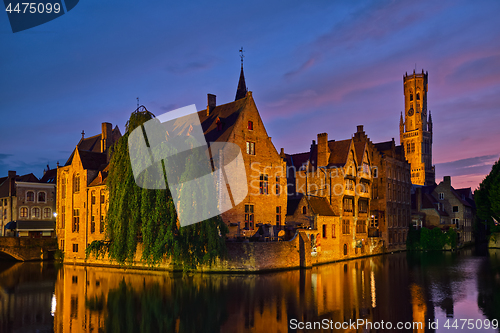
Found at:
<point>487,198</point>
<point>430,239</point>
<point>148,217</point>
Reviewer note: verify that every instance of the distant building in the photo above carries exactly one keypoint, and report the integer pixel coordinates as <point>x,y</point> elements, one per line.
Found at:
<point>27,205</point>
<point>82,196</point>
<point>441,206</point>
<point>416,129</point>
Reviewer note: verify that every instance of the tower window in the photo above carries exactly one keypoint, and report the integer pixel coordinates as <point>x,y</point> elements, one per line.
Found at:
<point>411,97</point>
<point>418,96</point>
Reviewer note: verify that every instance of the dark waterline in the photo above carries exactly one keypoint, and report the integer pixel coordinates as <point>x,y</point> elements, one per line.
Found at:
<point>427,287</point>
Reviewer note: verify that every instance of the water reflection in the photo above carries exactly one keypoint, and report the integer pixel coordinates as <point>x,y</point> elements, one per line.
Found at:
<point>429,287</point>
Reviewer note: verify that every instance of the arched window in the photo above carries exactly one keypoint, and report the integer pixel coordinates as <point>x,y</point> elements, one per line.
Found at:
<point>411,97</point>
<point>30,196</point>
<point>35,212</point>
<point>418,96</point>
<point>41,197</point>
<point>345,249</point>
<point>47,212</point>
<point>24,212</point>
<point>304,210</point>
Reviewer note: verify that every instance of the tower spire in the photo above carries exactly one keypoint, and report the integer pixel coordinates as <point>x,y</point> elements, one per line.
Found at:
<point>242,87</point>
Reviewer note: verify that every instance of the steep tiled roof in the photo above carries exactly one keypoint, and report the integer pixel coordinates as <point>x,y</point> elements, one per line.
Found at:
<point>384,146</point>
<point>320,206</point>
<point>50,176</point>
<point>339,152</point>
<point>101,177</point>
<point>227,114</point>
<point>28,178</point>
<point>92,160</point>
<point>93,143</point>
<point>297,160</point>
<point>359,148</point>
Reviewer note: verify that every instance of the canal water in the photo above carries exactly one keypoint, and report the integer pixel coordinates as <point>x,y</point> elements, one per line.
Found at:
<point>443,291</point>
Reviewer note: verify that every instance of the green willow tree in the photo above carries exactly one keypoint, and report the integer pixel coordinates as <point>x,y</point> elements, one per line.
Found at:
<point>487,198</point>
<point>148,217</point>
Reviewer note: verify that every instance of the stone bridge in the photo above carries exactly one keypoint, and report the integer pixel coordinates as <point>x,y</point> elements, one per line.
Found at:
<point>25,249</point>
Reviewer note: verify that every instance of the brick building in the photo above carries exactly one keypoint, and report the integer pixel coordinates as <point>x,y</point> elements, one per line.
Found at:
<point>27,205</point>
<point>341,173</point>
<point>391,195</point>
<point>82,194</point>
<point>239,122</point>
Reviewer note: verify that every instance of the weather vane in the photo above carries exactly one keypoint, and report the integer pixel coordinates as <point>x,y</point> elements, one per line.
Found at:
<point>241,56</point>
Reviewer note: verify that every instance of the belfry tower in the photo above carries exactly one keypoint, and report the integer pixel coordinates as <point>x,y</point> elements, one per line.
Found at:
<point>415,130</point>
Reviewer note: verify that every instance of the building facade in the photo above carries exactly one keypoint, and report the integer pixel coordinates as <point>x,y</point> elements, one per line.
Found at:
<point>82,196</point>
<point>442,206</point>
<point>415,129</point>
<point>239,122</point>
<point>27,206</point>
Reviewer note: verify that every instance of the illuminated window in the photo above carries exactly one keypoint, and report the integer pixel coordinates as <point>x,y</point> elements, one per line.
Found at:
<point>250,148</point>
<point>24,212</point>
<point>47,213</point>
<point>249,216</point>
<point>35,212</point>
<point>76,220</point>
<point>76,183</point>
<point>264,184</point>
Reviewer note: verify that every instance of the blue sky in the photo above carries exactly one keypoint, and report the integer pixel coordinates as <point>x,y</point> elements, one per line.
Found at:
<point>313,66</point>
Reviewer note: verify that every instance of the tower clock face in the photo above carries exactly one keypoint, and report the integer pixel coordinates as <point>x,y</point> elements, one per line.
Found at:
<point>410,112</point>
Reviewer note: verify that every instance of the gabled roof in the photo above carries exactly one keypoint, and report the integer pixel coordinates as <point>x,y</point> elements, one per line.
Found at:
<point>359,148</point>
<point>318,205</point>
<point>28,178</point>
<point>93,161</point>
<point>101,177</point>
<point>297,160</point>
<point>228,115</point>
<point>50,176</point>
<point>92,144</point>
<point>339,152</point>
<point>384,146</point>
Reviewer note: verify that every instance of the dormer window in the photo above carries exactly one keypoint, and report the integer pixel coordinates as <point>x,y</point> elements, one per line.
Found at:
<point>250,125</point>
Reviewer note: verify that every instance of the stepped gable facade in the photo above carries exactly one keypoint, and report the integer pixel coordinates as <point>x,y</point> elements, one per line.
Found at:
<point>82,197</point>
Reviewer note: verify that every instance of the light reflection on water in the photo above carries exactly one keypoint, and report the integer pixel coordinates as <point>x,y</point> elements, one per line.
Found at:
<point>394,288</point>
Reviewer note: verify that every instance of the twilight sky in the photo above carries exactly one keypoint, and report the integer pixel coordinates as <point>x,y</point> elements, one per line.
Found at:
<point>313,66</point>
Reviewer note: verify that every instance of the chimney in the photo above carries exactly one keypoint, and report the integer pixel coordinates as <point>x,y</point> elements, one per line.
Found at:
<point>282,153</point>
<point>211,103</point>
<point>360,129</point>
<point>12,183</point>
<point>106,140</point>
<point>323,149</point>
<point>447,181</point>
<point>418,197</point>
